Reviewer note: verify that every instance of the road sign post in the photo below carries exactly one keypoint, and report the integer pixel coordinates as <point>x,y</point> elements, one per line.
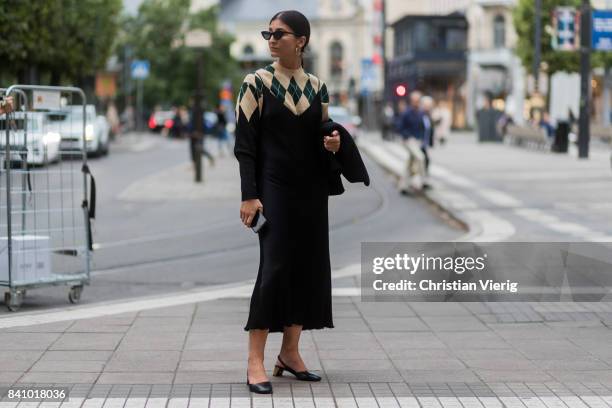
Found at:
<point>140,71</point>
<point>585,80</point>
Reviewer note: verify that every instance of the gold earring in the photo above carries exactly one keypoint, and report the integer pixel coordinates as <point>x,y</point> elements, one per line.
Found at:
<point>297,51</point>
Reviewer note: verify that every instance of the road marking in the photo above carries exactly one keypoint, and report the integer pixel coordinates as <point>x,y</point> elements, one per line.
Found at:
<point>234,290</point>
<point>392,156</point>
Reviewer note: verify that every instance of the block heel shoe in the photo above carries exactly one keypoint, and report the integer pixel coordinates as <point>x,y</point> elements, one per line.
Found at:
<point>300,375</point>
<point>259,388</point>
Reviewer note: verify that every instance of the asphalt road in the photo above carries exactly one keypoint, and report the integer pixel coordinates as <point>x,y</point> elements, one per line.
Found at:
<point>156,232</point>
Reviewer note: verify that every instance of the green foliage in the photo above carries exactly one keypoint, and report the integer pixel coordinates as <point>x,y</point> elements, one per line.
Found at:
<point>524,23</point>
<point>65,39</point>
<point>152,35</point>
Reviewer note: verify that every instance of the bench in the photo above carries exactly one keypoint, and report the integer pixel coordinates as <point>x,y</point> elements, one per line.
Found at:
<point>527,136</point>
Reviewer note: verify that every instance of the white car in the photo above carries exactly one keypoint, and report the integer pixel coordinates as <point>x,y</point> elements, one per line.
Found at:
<point>32,135</point>
<point>97,130</point>
<point>341,115</point>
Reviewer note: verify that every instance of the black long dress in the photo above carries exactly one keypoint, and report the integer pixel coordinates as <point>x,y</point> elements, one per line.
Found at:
<point>282,162</point>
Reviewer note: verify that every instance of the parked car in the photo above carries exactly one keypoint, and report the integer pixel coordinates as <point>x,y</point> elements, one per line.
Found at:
<point>341,115</point>
<point>33,136</point>
<point>70,126</point>
<point>161,119</point>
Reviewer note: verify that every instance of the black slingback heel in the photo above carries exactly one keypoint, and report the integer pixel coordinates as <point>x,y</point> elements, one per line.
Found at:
<point>300,375</point>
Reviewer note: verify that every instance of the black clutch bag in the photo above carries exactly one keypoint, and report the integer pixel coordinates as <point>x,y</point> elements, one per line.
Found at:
<point>258,221</point>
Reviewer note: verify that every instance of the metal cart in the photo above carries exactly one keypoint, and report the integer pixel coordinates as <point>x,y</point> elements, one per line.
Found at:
<point>47,193</point>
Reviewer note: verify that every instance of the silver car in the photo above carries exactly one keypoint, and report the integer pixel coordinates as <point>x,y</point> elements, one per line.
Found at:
<point>97,130</point>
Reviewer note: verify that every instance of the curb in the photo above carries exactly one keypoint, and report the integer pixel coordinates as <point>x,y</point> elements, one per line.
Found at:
<point>388,162</point>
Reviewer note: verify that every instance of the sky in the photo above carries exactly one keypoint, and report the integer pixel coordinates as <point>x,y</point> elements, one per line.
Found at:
<point>131,6</point>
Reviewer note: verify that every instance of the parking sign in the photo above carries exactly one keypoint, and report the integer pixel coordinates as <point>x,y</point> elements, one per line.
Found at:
<point>602,30</point>
<point>140,69</point>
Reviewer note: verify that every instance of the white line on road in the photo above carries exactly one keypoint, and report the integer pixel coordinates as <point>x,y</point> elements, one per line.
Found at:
<point>240,289</point>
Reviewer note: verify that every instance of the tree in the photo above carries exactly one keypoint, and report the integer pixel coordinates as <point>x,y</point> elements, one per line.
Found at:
<point>154,35</point>
<point>54,40</point>
<point>524,23</point>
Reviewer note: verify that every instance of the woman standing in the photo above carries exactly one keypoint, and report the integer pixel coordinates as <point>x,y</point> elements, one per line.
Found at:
<point>283,173</point>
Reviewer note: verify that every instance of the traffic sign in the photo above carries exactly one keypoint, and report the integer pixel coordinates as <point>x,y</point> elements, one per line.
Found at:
<point>140,69</point>
<point>602,30</point>
<point>566,27</point>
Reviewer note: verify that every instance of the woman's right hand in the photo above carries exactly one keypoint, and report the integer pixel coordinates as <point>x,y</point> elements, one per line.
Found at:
<point>248,209</point>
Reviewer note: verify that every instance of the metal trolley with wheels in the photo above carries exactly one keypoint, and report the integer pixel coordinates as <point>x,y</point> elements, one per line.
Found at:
<point>47,193</point>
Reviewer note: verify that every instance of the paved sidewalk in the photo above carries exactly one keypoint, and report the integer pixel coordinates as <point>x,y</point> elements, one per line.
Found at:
<point>191,351</point>
<point>379,354</point>
<point>507,193</point>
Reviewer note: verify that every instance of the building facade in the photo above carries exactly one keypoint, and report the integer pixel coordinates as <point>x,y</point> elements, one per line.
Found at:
<point>338,39</point>
<point>494,70</point>
<point>430,55</point>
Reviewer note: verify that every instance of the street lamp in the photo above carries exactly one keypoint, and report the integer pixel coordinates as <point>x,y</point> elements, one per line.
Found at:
<point>198,40</point>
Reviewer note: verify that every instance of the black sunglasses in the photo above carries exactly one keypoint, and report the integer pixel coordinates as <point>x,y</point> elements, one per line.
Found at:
<point>278,34</point>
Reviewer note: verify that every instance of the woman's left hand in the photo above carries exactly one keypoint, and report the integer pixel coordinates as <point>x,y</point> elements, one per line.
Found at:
<point>332,143</point>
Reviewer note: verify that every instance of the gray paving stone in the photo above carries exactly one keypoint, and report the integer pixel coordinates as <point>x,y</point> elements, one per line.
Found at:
<point>81,355</point>
<point>58,377</point>
<point>209,377</point>
<point>386,309</point>
<point>143,361</point>
<point>9,377</point>
<point>473,340</point>
<point>397,324</point>
<point>214,365</point>
<point>438,376</point>
<point>420,353</point>
<point>454,323</point>
<point>161,341</point>
<point>162,322</point>
<point>26,341</point>
<point>182,310</point>
<point>68,366</point>
<point>604,376</point>
<point>351,324</point>
<point>135,378</point>
<point>352,365</point>
<point>573,364</point>
<point>87,341</point>
<point>204,326</point>
<point>427,340</point>
<point>96,327</point>
<point>439,309</point>
<point>18,360</point>
<point>55,327</point>
<point>353,354</point>
<point>429,364</point>
<point>475,354</point>
<point>363,376</point>
<point>512,375</point>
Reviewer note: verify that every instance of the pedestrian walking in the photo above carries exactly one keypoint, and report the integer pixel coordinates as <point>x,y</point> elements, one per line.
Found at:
<point>196,140</point>
<point>222,134</point>
<point>176,129</point>
<point>427,106</point>
<point>442,118</point>
<point>412,131</point>
<point>285,174</point>
<point>112,116</point>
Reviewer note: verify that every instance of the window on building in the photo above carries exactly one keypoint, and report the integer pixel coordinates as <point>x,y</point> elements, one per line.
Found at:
<point>336,59</point>
<point>422,39</point>
<point>248,50</point>
<point>499,31</point>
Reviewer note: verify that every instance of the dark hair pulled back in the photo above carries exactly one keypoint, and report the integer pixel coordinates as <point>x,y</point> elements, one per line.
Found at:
<point>297,22</point>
